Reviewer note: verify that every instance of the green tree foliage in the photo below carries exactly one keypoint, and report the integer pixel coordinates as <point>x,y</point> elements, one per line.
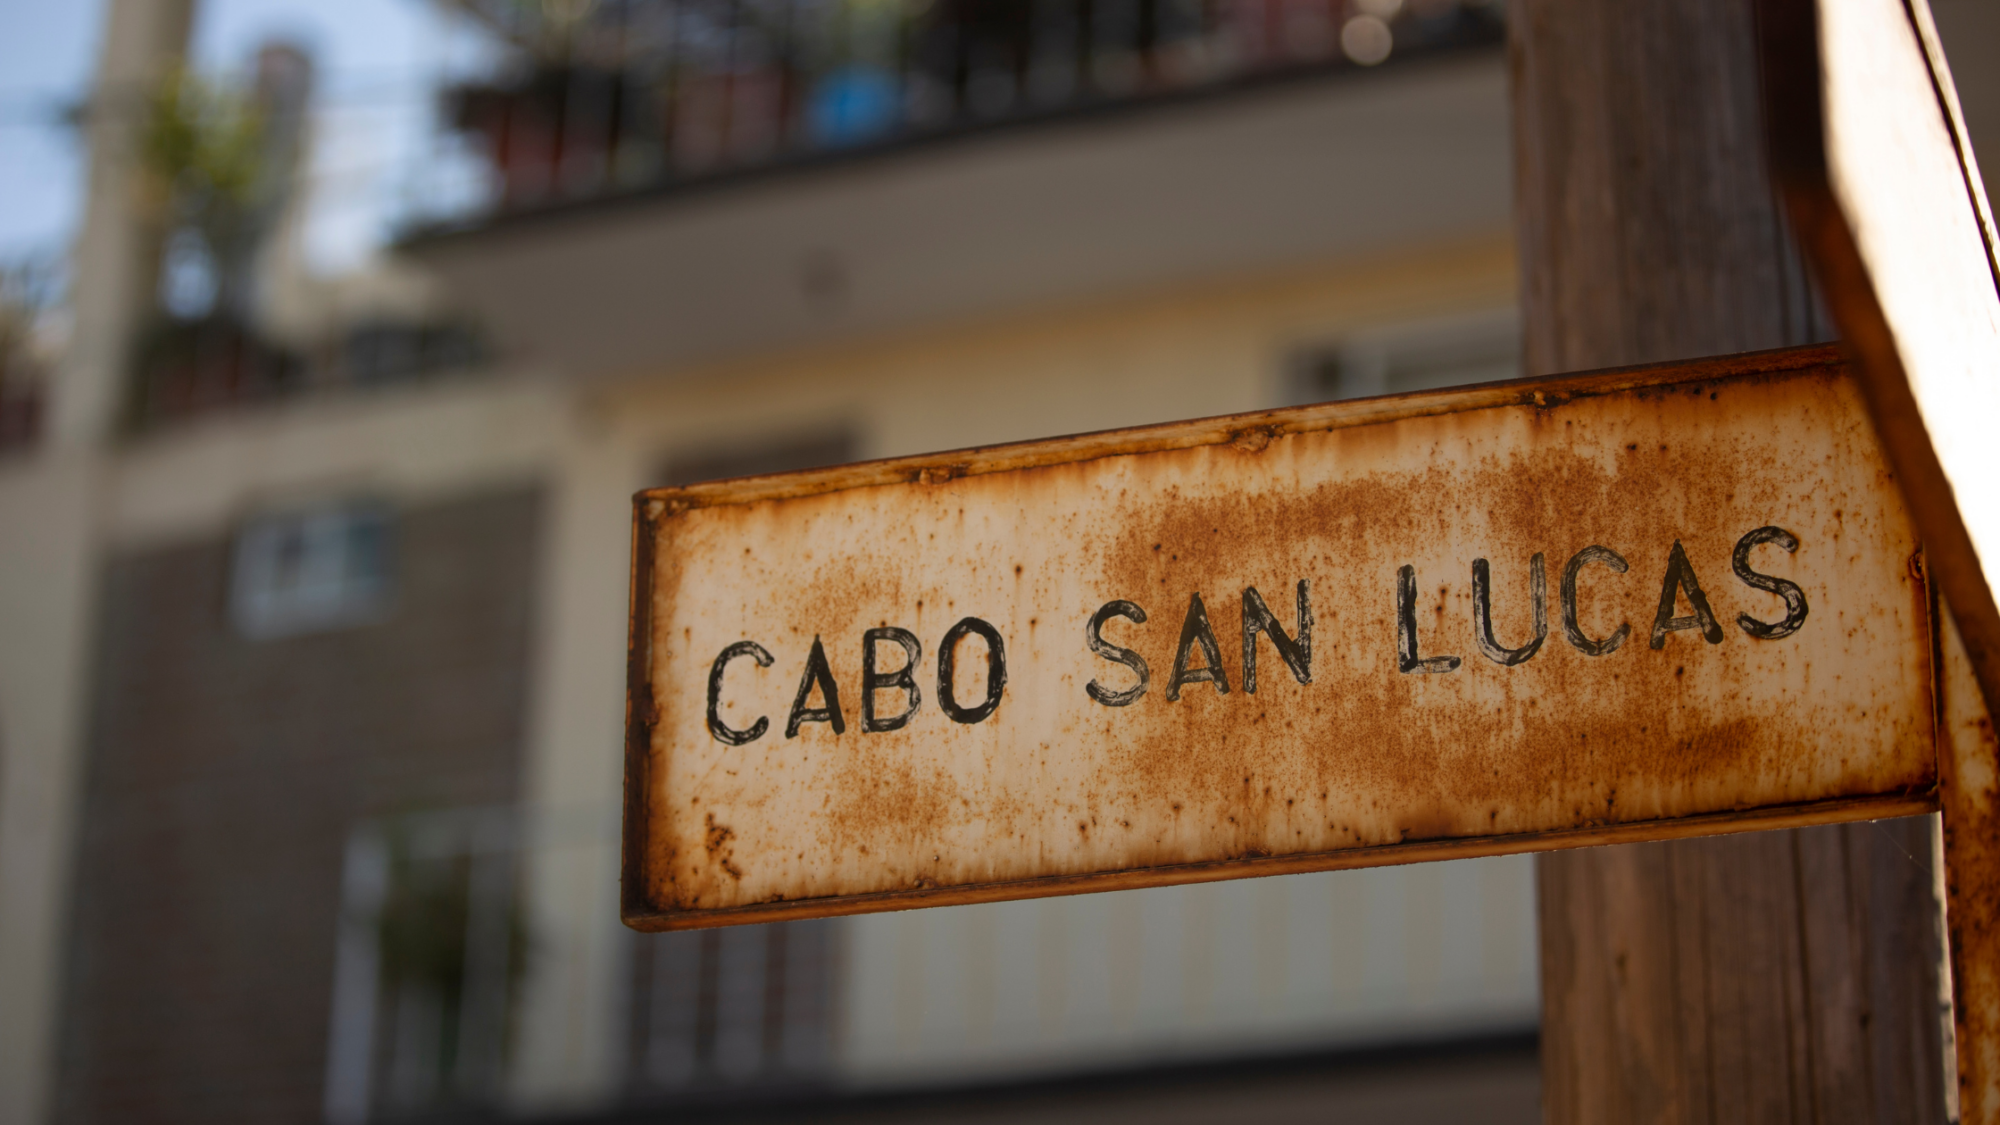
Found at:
<point>204,144</point>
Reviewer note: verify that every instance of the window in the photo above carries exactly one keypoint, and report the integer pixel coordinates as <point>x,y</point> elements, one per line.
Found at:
<point>748,1006</point>
<point>309,569</point>
<point>428,963</point>
<point>1411,357</point>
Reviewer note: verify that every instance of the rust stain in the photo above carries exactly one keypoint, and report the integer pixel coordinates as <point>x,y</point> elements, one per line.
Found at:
<point>719,853</point>
<point>1970,800</point>
<point>1515,744</point>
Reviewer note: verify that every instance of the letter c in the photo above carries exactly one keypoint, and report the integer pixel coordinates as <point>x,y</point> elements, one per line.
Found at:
<point>1584,643</point>
<point>722,731</point>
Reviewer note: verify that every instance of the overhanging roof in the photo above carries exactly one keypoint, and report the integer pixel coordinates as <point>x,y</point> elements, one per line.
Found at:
<point>929,234</point>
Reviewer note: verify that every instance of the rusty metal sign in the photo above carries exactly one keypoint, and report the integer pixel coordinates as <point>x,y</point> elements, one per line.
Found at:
<point>1614,607</point>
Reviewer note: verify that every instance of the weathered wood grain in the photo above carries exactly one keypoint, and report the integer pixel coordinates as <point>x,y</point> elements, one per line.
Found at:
<point>1872,153</point>
<point>1777,977</point>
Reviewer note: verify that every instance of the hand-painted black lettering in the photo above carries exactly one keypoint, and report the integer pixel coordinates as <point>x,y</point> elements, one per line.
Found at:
<point>1795,598</point>
<point>817,674</point>
<point>1094,634</point>
<point>996,670</point>
<point>1407,657</point>
<point>1482,612</point>
<point>1573,630</point>
<point>1195,630</point>
<point>722,731</point>
<point>904,678</point>
<point>1257,617</point>
<point>1680,576</point>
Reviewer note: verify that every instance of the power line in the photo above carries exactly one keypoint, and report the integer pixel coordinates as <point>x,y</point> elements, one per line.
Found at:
<point>340,90</point>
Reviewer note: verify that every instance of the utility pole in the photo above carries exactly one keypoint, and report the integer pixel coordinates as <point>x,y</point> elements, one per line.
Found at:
<point>1777,976</point>
<point>115,264</point>
<point>47,573</point>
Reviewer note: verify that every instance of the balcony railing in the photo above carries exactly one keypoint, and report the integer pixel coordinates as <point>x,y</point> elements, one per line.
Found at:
<point>185,369</point>
<point>628,95</point>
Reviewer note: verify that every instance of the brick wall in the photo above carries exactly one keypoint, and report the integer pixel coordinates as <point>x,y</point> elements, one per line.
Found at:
<point>224,776</point>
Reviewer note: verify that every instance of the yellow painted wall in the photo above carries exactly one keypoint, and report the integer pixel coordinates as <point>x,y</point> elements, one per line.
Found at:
<point>1214,349</point>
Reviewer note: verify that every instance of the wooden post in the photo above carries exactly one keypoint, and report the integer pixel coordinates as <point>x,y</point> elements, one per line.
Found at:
<point>1785,976</point>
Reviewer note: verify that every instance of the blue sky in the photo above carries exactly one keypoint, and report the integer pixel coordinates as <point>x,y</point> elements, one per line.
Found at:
<point>46,52</point>
<point>377,62</point>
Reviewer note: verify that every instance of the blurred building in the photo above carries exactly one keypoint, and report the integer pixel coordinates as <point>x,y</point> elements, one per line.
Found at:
<point>312,603</point>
